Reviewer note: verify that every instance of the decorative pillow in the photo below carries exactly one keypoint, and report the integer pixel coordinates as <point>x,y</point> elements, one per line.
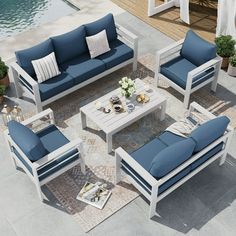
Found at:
<point>171,157</point>
<point>27,140</point>
<point>98,44</point>
<point>208,132</point>
<point>46,68</point>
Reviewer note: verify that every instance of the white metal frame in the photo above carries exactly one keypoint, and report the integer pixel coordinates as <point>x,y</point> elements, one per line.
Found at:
<point>16,72</point>
<point>153,196</point>
<point>167,54</point>
<point>46,116</point>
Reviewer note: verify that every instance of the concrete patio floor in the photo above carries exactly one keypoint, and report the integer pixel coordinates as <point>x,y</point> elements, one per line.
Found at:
<point>187,211</point>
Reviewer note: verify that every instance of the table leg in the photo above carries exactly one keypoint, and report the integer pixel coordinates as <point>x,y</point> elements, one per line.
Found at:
<point>109,143</point>
<point>83,120</point>
<point>163,111</point>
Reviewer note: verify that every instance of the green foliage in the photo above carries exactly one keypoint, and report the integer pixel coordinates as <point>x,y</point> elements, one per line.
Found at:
<point>3,69</point>
<point>2,90</point>
<point>232,60</point>
<point>225,45</point>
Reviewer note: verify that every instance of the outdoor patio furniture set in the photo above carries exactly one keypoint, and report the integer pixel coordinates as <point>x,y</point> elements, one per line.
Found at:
<point>155,169</point>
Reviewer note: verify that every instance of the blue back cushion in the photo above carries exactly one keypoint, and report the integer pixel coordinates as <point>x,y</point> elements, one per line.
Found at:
<point>171,157</point>
<point>26,140</point>
<point>197,50</point>
<point>24,57</point>
<point>209,132</point>
<point>70,45</point>
<point>107,23</point>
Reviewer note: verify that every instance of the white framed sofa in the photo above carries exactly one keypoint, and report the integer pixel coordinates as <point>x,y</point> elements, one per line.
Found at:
<point>166,162</point>
<point>41,150</point>
<point>74,61</point>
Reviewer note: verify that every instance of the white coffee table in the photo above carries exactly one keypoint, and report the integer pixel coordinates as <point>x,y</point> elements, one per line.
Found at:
<point>112,122</point>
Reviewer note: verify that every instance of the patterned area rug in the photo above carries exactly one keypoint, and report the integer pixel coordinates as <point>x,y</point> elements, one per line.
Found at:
<point>67,186</point>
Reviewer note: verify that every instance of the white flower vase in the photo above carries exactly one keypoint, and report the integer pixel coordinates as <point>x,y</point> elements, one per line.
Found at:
<point>231,70</point>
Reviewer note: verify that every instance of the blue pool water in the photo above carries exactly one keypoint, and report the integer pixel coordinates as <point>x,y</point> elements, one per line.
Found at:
<point>21,15</point>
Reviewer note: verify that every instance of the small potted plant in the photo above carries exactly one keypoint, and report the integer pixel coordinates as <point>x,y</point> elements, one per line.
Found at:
<point>225,48</point>
<point>232,66</point>
<point>2,93</point>
<point>4,79</point>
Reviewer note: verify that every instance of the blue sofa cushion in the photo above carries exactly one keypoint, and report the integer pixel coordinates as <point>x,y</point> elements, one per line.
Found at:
<point>70,45</point>
<point>119,53</point>
<point>107,23</point>
<point>145,154</point>
<point>170,138</point>
<point>177,71</point>
<point>171,157</point>
<point>209,132</point>
<point>83,68</point>
<point>24,57</point>
<point>197,50</point>
<point>56,85</point>
<point>27,141</point>
<point>53,139</point>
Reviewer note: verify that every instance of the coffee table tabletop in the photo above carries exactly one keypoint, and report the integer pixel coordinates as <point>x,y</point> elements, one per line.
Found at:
<point>113,122</point>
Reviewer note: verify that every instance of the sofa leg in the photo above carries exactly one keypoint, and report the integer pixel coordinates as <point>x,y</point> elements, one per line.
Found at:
<point>152,210</point>
<point>38,187</point>
<point>214,85</point>
<point>186,100</point>
<point>135,65</point>
<point>222,159</point>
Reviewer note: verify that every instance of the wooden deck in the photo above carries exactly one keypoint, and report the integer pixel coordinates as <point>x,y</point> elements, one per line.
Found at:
<point>203,18</point>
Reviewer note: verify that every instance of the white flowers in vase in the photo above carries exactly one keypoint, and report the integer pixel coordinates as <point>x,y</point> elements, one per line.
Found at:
<point>127,86</point>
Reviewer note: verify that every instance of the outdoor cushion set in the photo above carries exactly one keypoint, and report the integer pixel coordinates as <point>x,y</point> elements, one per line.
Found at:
<point>155,169</point>
<point>73,57</point>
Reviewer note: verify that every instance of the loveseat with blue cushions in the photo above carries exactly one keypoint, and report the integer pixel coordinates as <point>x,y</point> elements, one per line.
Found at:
<point>166,162</point>
<point>41,149</point>
<point>74,61</point>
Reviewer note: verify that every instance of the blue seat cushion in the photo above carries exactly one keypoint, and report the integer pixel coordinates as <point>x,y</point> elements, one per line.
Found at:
<point>207,156</point>
<point>145,154</point>
<point>177,71</point>
<point>52,139</point>
<point>209,132</point>
<point>24,57</point>
<point>197,50</point>
<point>56,85</point>
<point>70,45</point>
<point>119,53</point>
<point>107,23</point>
<point>170,138</point>
<point>171,157</point>
<point>27,141</point>
<point>83,68</point>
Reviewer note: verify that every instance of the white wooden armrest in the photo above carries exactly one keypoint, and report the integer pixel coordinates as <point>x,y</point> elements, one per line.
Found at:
<point>77,143</point>
<point>136,166</point>
<point>170,48</point>
<point>126,33</point>
<point>24,74</point>
<point>199,108</point>
<point>204,67</point>
<point>39,116</point>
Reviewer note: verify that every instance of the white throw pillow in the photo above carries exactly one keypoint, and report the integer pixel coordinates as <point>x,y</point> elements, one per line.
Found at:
<point>46,68</point>
<point>98,44</point>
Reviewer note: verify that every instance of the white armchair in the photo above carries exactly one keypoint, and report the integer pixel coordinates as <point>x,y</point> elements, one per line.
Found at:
<point>188,65</point>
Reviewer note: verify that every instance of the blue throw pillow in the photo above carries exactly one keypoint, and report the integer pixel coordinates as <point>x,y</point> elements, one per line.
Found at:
<point>209,132</point>
<point>70,45</point>
<point>107,23</point>
<point>197,50</point>
<point>171,157</point>
<point>24,57</point>
<point>27,140</point>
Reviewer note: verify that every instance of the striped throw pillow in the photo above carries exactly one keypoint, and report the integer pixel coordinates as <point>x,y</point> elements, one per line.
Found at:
<point>46,68</point>
<point>98,44</point>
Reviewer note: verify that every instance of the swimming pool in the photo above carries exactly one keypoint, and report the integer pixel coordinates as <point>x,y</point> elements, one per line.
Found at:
<point>21,15</point>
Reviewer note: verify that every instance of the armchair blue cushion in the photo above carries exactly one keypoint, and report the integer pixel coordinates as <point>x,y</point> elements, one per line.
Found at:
<point>209,132</point>
<point>70,45</point>
<point>177,70</point>
<point>24,57</point>
<point>119,53</point>
<point>171,157</point>
<point>197,50</point>
<point>27,140</point>
<point>107,23</point>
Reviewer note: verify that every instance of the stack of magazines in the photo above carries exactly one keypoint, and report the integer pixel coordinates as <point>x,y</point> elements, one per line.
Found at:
<point>94,194</point>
